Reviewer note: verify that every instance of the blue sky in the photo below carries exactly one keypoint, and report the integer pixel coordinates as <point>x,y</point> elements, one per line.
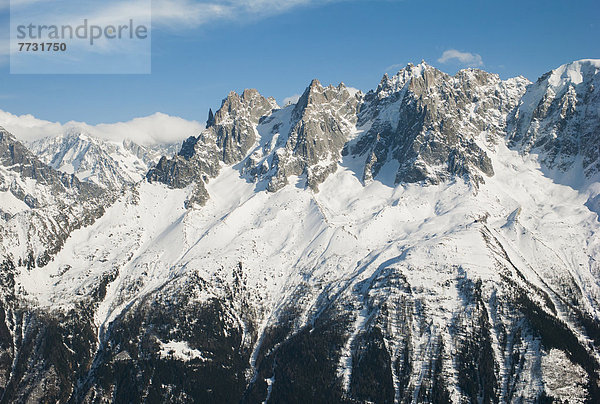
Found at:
<point>277,46</point>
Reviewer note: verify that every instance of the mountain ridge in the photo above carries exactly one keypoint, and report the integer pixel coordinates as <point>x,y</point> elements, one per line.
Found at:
<point>404,245</point>
<point>106,163</point>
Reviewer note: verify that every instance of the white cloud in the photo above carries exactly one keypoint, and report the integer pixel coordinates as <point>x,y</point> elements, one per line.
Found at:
<point>27,127</point>
<point>158,128</point>
<point>291,100</point>
<point>152,129</point>
<point>395,68</point>
<point>177,14</point>
<point>464,58</point>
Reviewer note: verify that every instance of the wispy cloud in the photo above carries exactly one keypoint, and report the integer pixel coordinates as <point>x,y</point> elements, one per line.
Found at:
<point>254,8</point>
<point>194,13</point>
<point>179,13</point>
<point>394,68</point>
<point>464,58</point>
<point>174,15</point>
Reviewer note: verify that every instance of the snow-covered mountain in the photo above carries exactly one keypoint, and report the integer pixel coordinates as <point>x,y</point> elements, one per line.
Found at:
<point>40,206</point>
<point>424,242</point>
<point>108,164</point>
<point>559,117</point>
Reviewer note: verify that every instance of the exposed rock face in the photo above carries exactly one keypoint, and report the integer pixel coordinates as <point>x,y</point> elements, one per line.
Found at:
<point>234,127</point>
<point>159,351</point>
<point>321,123</point>
<point>559,117</point>
<point>185,169</point>
<point>228,139</point>
<point>211,118</point>
<point>429,122</point>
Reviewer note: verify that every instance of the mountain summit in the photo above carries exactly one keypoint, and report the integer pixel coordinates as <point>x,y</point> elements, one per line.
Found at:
<point>559,118</point>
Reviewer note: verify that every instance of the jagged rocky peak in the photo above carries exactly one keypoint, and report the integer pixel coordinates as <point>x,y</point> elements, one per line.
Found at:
<point>559,117</point>
<point>429,123</point>
<point>321,123</point>
<point>316,96</point>
<point>250,105</point>
<point>234,128</point>
<point>229,135</point>
<point>15,157</point>
<point>391,85</point>
<point>211,118</point>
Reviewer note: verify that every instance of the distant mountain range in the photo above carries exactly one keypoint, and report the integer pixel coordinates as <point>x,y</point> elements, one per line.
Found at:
<point>108,164</point>
<point>433,240</point>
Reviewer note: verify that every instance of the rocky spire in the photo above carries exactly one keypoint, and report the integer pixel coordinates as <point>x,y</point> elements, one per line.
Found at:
<point>321,123</point>
<point>211,118</point>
